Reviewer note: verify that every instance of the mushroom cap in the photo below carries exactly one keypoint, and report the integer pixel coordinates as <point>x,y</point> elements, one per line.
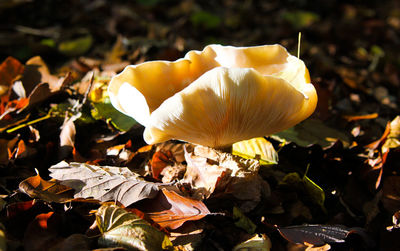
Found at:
<point>217,96</point>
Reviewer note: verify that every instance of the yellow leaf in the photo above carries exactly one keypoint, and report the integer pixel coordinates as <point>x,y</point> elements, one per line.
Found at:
<point>256,148</point>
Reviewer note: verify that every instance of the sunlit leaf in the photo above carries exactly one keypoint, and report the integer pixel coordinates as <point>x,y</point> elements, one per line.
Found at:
<point>104,183</point>
<point>315,234</point>
<point>120,228</point>
<point>76,47</point>
<point>393,139</point>
<point>50,191</point>
<point>106,111</point>
<point>256,243</point>
<point>171,210</point>
<point>9,70</point>
<point>256,148</point>
<point>312,131</point>
<point>313,190</point>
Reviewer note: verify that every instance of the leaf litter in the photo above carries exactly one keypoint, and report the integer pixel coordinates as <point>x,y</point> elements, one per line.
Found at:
<point>54,112</point>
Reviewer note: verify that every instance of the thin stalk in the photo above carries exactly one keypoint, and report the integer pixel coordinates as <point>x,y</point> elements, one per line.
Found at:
<point>28,123</point>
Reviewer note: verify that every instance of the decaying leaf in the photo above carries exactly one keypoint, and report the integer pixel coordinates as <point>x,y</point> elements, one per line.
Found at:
<point>51,191</point>
<point>393,139</point>
<point>312,131</point>
<point>104,183</point>
<point>210,171</point>
<point>314,191</point>
<point>395,220</point>
<point>170,210</point>
<point>255,243</point>
<point>77,46</point>
<point>9,70</point>
<point>3,239</point>
<point>43,233</point>
<point>120,228</point>
<point>243,221</point>
<point>391,193</point>
<point>315,234</point>
<point>256,148</point>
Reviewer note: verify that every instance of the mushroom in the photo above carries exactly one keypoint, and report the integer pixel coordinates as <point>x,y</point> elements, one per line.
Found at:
<point>217,96</point>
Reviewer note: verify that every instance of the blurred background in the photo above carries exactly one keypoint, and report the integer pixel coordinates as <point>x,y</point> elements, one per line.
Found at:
<point>350,47</point>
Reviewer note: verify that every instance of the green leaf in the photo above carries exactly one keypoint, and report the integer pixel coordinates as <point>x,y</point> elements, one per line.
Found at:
<point>205,19</point>
<point>106,111</point>
<point>256,148</point>
<point>48,42</point>
<point>121,228</point>
<point>312,131</point>
<point>300,19</point>
<point>243,222</point>
<point>76,47</point>
<point>315,192</point>
<point>256,243</point>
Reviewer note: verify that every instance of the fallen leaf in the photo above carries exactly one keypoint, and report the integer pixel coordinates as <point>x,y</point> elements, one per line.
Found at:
<point>393,138</point>
<point>43,233</point>
<point>171,210</point>
<point>104,183</point>
<point>395,220</point>
<point>300,19</point>
<point>74,242</point>
<point>10,69</point>
<point>391,193</point>
<point>211,172</point>
<point>106,111</point>
<point>158,162</point>
<point>315,234</point>
<point>67,138</point>
<point>315,192</point>
<point>77,46</point>
<point>312,131</point>
<point>361,117</point>
<point>242,221</point>
<point>203,177</point>
<point>259,242</point>
<point>14,209</point>
<point>257,148</point>
<point>50,191</point>
<point>121,228</point>
<point>3,239</point>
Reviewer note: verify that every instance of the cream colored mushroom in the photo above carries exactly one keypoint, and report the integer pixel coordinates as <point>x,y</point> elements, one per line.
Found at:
<point>217,96</point>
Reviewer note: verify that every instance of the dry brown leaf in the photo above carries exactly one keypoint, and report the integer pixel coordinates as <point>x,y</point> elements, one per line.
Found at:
<point>50,191</point>
<point>391,193</point>
<point>210,171</point>
<point>104,183</point>
<point>67,138</point>
<point>171,210</point>
<point>10,69</point>
<point>43,232</point>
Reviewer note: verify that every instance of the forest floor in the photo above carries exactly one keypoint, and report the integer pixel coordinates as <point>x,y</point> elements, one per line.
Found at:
<point>335,183</point>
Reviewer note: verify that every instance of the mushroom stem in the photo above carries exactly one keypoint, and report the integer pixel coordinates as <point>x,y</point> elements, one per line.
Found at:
<point>226,149</point>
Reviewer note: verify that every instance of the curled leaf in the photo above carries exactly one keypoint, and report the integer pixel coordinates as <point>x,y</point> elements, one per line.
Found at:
<point>50,191</point>
<point>173,210</point>
<point>121,228</point>
<point>104,183</point>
